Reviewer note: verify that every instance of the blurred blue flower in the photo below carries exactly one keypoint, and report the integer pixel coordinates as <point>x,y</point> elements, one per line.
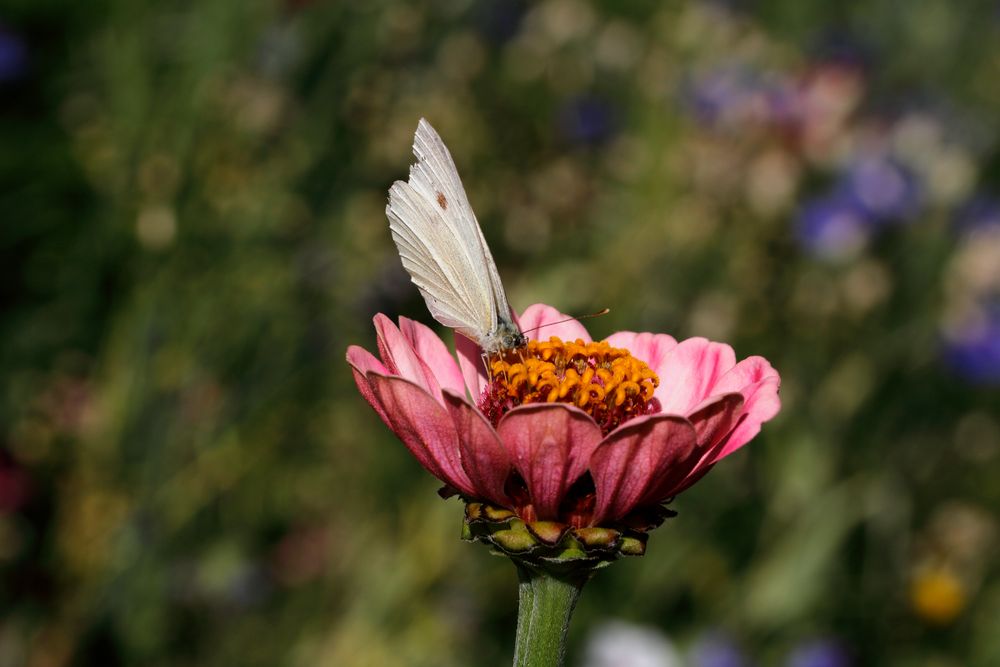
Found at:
<point>973,352</point>
<point>978,212</point>
<point>882,188</point>
<point>819,653</point>
<point>741,92</point>
<point>588,120</point>
<point>710,93</point>
<point>833,226</point>
<point>716,649</point>
<point>784,103</point>
<point>13,56</point>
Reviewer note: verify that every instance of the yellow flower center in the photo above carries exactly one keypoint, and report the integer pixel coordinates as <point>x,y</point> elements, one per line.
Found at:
<point>606,382</point>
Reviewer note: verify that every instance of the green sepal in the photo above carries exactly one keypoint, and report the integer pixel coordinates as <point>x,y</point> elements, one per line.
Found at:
<point>548,532</point>
<point>497,513</point>
<point>598,538</point>
<point>514,541</point>
<point>558,547</point>
<point>633,545</point>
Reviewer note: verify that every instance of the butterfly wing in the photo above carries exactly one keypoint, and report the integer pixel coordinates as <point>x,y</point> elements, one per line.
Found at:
<point>441,244</point>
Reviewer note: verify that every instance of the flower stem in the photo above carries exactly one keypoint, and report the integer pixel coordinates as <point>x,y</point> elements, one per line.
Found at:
<point>545,605</point>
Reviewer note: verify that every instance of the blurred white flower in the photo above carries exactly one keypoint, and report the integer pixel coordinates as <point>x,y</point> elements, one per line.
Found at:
<point>621,644</point>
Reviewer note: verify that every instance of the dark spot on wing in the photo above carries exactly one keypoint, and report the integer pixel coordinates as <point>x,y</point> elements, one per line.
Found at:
<point>442,201</point>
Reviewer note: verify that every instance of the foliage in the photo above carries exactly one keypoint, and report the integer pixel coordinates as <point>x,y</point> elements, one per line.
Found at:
<point>194,232</point>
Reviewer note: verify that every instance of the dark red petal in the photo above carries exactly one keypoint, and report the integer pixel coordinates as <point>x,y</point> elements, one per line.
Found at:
<point>635,458</point>
<point>758,382</point>
<point>362,362</point>
<point>424,426</point>
<point>713,421</point>
<point>484,458</point>
<point>551,445</point>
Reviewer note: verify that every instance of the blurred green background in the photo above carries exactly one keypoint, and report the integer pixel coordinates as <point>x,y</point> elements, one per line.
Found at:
<point>193,232</point>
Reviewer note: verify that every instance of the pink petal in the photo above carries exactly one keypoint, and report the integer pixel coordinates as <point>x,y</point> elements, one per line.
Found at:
<point>551,445</point>
<point>713,421</point>
<point>744,375</point>
<point>649,347</point>
<point>539,315</point>
<point>715,418</point>
<point>434,353</point>
<point>424,427</point>
<point>758,382</point>
<point>470,359</point>
<point>401,359</point>
<point>689,374</point>
<point>484,458</point>
<point>362,362</point>
<point>635,458</point>
<point>760,403</point>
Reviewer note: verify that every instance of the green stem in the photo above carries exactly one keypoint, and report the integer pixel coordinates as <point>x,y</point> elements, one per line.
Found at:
<point>545,605</point>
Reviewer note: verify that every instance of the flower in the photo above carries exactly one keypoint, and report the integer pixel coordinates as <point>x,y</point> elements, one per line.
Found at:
<point>882,188</point>
<point>619,643</point>
<point>819,653</point>
<point>980,214</point>
<point>588,120</point>
<point>717,649</point>
<point>13,55</point>
<point>738,95</point>
<point>972,345</point>
<point>833,227</point>
<point>561,435</point>
<point>937,595</point>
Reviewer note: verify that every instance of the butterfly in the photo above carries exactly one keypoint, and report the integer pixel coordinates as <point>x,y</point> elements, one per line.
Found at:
<point>444,251</point>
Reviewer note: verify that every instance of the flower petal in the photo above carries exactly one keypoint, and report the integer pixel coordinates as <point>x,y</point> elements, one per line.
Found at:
<point>715,418</point>
<point>649,347</point>
<point>424,426</point>
<point>539,315</point>
<point>689,374</point>
<point>637,457</point>
<point>551,446</point>
<point>434,353</point>
<point>713,421</point>
<point>470,359</point>
<point>362,362</point>
<point>484,458</point>
<point>401,359</point>
<point>759,383</point>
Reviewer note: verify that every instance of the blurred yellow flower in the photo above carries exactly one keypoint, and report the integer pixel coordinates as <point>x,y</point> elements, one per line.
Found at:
<point>937,595</point>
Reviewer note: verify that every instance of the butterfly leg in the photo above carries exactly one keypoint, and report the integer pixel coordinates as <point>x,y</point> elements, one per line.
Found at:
<point>486,363</point>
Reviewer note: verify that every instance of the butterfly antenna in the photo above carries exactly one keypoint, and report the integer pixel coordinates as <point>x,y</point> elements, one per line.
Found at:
<point>570,319</point>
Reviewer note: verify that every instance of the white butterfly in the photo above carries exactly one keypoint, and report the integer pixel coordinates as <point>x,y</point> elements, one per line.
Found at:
<point>443,249</point>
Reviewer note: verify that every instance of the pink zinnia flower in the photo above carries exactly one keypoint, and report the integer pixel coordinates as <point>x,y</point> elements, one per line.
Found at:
<point>582,434</point>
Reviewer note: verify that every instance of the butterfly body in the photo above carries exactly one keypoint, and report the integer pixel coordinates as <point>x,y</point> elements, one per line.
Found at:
<point>505,336</point>
<point>444,251</point>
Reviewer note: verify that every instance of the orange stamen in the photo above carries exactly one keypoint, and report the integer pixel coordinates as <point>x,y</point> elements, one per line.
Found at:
<point>608,383</point>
